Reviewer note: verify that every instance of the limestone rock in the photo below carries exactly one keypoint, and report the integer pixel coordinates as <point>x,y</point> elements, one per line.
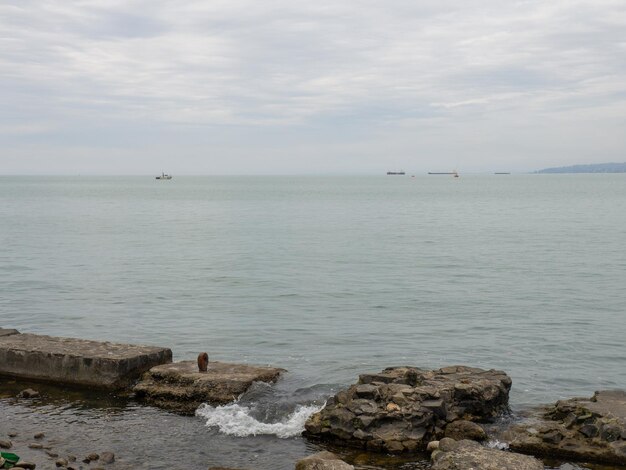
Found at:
<point>323,461</point>
<point>466,455</point>
<point>403,408</point>
<point>182,388</point>
<point>590,430</point>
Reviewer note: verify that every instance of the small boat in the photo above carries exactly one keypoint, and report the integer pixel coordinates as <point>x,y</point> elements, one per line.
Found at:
<point>453,173</point>
<point>164,177</point>
<point>396,172</point>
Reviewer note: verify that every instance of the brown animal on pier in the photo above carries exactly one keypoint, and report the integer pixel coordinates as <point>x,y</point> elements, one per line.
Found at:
<point>203,361</point>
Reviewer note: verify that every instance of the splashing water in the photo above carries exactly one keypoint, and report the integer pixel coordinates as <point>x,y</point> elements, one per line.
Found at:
<point>236,420</point>
<point>496,444</point>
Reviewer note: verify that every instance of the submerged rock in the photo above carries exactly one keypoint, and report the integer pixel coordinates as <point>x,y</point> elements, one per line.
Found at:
<point>323,461</point>
<point>182,388</point>
<point>403,408</point>
<point>107,457</point>
<point>470,455</point>
<point>586,429</point>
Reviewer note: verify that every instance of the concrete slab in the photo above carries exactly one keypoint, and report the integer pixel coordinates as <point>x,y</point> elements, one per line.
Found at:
<point>181,387</point>
<point>8,332</point>
<point>76,361</point>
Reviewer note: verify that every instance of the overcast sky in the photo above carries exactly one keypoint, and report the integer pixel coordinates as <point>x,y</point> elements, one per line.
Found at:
<point>285,86</point>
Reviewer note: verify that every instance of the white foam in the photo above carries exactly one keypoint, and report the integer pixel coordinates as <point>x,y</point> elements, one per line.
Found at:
<point>235,420</point>
<point>496,444</point>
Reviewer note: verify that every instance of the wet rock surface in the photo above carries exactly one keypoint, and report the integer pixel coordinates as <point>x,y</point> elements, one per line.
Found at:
<point>323,461</point>
<point>180,387</point>
<point>585,429</point>
<point>403,408</point>
<point>470,455</point>
<point>463,429</point>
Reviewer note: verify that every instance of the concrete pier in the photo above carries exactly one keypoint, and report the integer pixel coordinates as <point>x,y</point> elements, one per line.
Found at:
<point>76,361</point>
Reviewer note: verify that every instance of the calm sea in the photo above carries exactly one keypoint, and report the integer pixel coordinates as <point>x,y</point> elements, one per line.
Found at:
<point>327,277</point>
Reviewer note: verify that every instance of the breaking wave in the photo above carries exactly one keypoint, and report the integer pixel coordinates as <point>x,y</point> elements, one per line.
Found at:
<point>237,420</point>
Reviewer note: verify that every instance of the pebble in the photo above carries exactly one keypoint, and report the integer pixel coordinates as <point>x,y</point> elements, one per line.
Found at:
<point>40,435</point>
<point>12,434</point>
<point>27,465</point>
<point>432,446</point>
<point>52,454</point>
<point>28,393</point>
<point>107,457</point>
<point>61,463</point>
<point>91,457</point>
<point>6,444</point>
<point>35,445</point>
<point>71,458</point>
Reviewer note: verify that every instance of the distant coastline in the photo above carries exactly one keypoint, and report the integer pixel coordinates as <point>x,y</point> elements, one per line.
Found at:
<point>591,168</point>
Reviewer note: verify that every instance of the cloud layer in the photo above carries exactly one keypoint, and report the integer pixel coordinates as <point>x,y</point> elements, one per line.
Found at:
<point>327,86</point>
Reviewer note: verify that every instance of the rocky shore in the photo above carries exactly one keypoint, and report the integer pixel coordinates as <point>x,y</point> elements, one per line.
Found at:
<point>400,410</point>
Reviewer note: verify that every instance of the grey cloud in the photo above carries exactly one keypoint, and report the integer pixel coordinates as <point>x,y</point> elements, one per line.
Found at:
<point>352,79</point>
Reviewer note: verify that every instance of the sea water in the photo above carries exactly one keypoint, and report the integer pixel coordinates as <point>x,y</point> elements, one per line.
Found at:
<point>327,277</point>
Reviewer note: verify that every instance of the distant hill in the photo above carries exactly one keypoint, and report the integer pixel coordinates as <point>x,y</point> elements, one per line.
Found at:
<point>592,168</point>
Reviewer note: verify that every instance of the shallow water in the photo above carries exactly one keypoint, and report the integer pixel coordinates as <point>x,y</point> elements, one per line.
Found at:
<point>327,277</point>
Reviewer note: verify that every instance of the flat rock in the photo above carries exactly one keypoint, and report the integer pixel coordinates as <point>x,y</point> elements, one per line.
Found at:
<point>323,461</point>
<point>76,361</point>
<point>180,387</point>
<point>585,429</point>
<point>401,409</point>
<point>470,455</point>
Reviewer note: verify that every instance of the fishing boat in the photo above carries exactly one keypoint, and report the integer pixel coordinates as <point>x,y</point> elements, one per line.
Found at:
<point>164,177</point>
<point>396,172</point>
